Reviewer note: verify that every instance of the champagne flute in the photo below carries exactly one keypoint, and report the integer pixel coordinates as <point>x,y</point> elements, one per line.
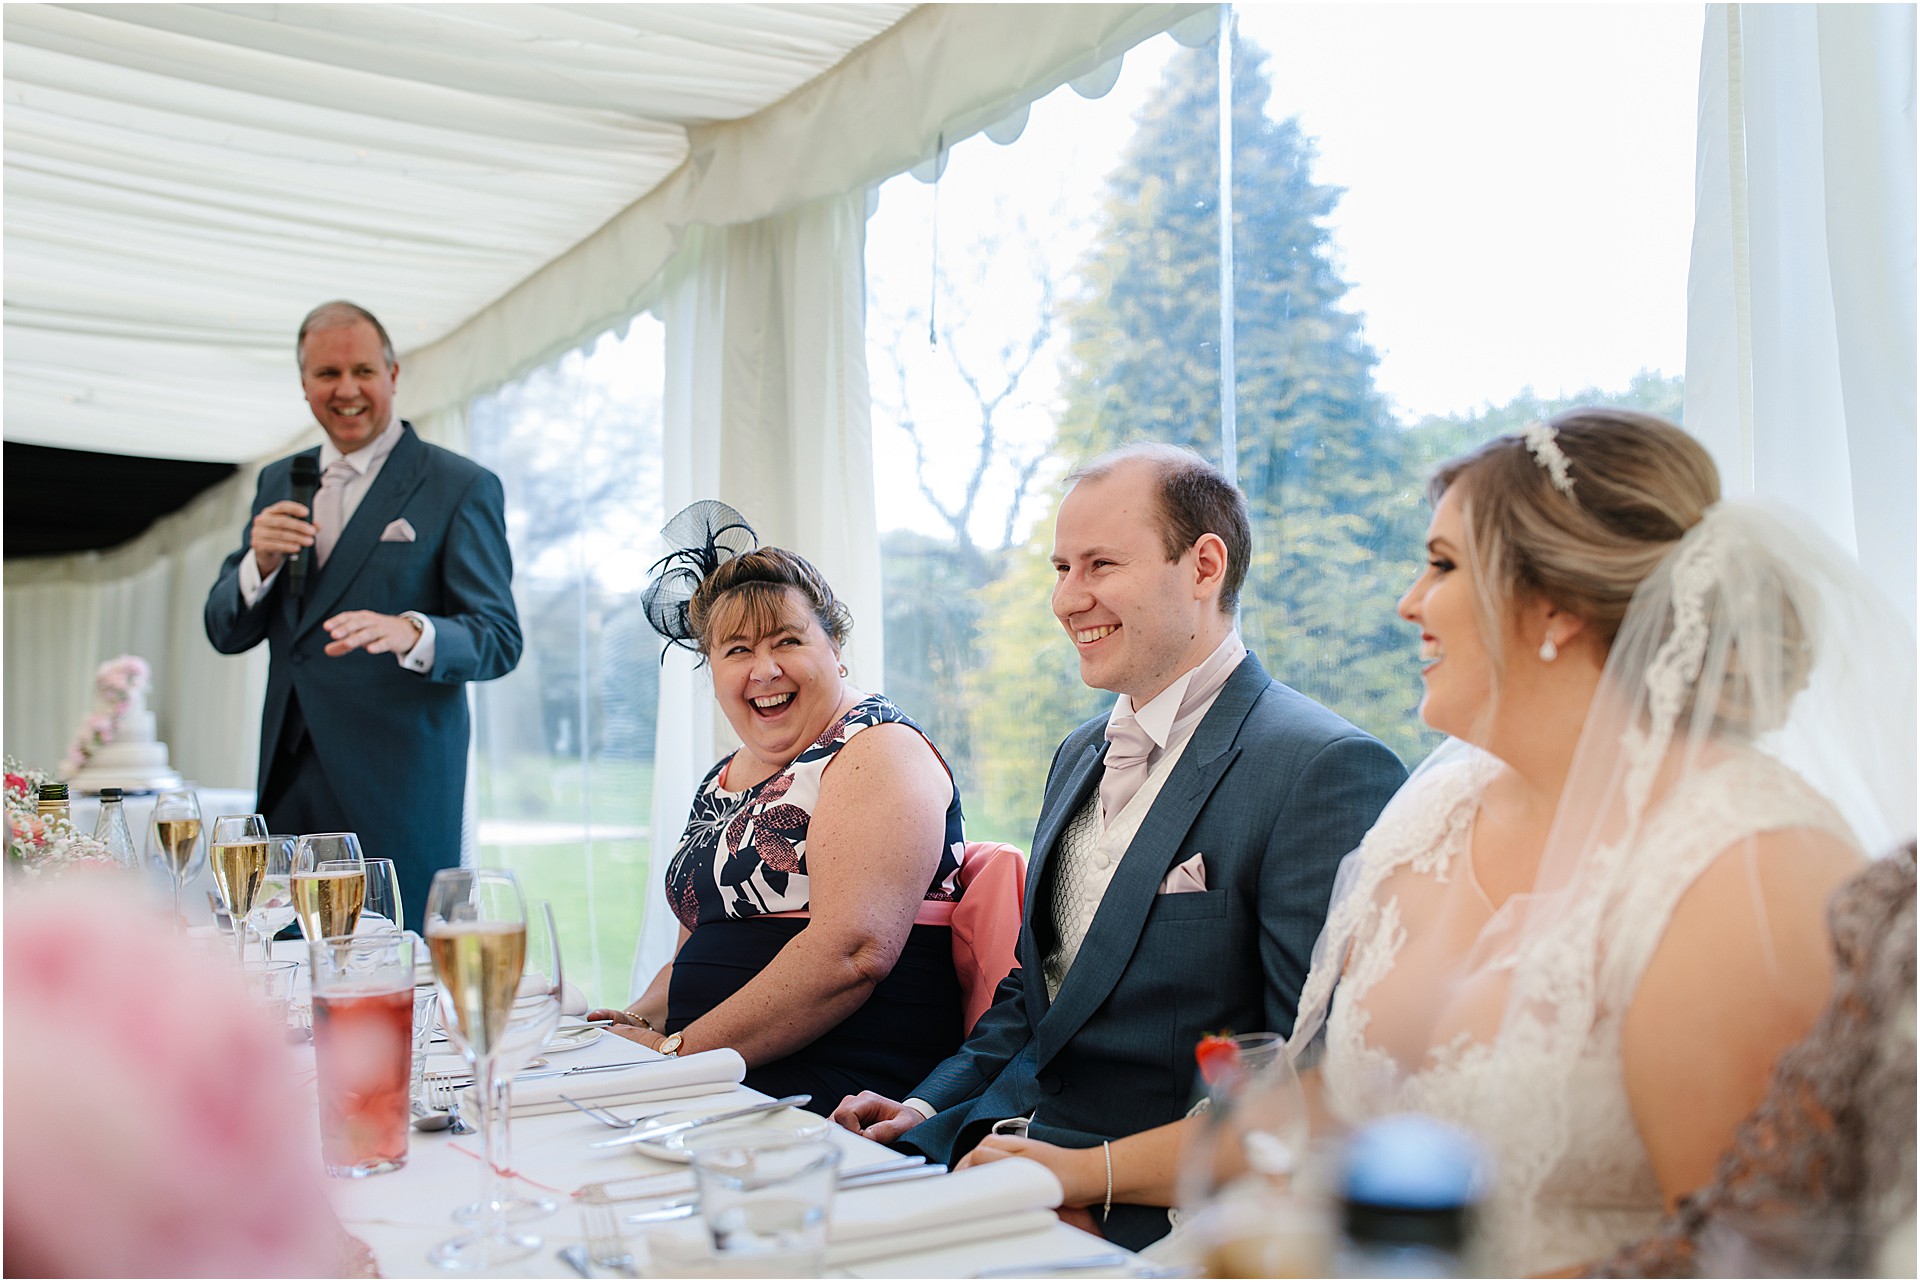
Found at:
<point>381,912</point>
<point>237,849</point>
<point>329,884</point>
<point>273,902</point>
<point>173,839</point>
<point>536,1013</point>
<point>1237,1179</point>
<point>476,928</point>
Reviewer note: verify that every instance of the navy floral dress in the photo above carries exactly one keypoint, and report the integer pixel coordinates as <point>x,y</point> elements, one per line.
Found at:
<point>742,858</point>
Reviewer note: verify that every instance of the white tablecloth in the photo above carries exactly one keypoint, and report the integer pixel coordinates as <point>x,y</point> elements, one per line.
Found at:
<point>405,1213</point>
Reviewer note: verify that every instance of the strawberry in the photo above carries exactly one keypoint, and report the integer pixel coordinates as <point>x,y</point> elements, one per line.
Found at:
<point>1217,1054</point>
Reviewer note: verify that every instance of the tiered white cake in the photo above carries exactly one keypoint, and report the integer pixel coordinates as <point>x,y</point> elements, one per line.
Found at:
<point>133,757</point>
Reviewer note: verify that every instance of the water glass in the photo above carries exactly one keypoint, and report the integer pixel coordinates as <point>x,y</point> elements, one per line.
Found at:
<point>766,1206</point>
<point>382,911</point>
<point>273,902</point>
<point>363,1047</point>
<point>271,984</point>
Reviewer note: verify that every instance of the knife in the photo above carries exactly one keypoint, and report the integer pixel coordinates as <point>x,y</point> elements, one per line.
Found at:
<point>655,1188</point>
<point>683,1206</point>
<point>576,1071</point>
<point>674,1128</point>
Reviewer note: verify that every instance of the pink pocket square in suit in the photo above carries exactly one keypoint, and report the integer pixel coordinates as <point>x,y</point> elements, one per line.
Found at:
<point>398,532</point>
<point>1187,878</point>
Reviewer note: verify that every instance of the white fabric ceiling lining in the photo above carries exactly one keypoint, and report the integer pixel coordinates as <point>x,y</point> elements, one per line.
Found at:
<point>217,170</point>
<point>942,73</point>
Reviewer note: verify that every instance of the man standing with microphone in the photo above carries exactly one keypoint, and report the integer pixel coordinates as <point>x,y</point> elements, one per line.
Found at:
<point>376,569</point>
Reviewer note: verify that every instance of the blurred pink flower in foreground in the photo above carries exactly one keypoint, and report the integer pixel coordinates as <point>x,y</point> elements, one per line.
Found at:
<point>150,1108</point>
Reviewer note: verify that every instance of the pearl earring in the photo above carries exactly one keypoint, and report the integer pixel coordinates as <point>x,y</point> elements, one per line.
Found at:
<point>1548,650</point>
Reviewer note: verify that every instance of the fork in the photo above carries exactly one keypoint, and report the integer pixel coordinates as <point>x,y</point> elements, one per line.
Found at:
<point>607,1117</point>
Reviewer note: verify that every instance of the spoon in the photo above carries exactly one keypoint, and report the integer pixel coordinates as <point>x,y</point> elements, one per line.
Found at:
<point>433,1121</point>
<point>575,1258</point>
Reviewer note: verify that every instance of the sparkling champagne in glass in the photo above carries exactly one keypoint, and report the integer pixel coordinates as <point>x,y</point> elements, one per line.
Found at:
<point>173,839</point>
<point>476,928</point>
<point>329,884</point>
<point>536,1013</point>
<point>238,852</point>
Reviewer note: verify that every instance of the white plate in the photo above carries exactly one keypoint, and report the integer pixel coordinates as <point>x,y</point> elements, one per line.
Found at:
<point>572,1038</point>
<point>788,1123</point>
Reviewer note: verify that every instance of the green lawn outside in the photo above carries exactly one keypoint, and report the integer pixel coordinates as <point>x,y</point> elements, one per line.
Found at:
<point>597,940</point>
<point>597,934</point>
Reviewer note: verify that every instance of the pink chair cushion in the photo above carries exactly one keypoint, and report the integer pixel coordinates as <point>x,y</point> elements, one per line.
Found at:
<point>986,921</point>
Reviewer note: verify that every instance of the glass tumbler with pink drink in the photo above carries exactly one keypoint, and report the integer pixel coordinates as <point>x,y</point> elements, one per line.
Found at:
<point>363,1046</point>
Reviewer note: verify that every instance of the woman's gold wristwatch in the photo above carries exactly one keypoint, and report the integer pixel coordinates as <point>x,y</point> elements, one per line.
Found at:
<point>671,1046</point>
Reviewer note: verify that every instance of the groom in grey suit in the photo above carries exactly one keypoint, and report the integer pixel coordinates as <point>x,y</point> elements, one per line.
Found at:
<point>1186,846</point>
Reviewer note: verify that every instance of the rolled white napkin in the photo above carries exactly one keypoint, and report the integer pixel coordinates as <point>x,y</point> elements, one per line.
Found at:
<point>999,1199</point>
<point>995,1199</point>
<point>705,1073</point>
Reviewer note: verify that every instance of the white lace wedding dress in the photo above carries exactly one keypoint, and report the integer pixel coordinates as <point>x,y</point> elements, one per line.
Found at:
<point>1525,1051</point>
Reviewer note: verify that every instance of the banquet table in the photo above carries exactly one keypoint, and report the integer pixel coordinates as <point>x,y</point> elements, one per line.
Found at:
<point>403,1214</point>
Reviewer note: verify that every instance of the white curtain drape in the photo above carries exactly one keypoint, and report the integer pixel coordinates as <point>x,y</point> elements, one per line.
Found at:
<point>67,615</point>
<point>1800,298</point>
<point>766,408</point>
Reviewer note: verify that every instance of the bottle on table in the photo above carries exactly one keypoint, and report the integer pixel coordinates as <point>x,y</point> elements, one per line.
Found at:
<point>111,829</point>
<point>51,802</point>
<point>1409,1189</point>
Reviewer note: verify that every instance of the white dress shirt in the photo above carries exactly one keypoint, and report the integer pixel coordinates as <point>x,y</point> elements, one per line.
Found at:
<point>366,463</point>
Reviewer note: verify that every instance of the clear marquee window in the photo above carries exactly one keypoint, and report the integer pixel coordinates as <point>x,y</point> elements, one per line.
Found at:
<point>1446,222</point>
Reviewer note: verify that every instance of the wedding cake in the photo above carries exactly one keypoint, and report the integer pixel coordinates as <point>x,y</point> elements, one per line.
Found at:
<point>118,745</point>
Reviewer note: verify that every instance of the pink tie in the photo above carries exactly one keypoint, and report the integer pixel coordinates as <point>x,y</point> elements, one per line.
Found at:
<point>1127,749</point>
<point>327,507</point>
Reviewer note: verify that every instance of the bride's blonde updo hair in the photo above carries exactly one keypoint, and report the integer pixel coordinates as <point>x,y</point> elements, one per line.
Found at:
<point>1637,484</point>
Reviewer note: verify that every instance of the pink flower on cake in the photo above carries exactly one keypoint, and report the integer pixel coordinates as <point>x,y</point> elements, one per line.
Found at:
<point>114,686</point>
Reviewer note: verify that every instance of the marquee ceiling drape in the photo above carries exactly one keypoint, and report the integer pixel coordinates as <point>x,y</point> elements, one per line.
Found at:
<point>497,182</point>
<point>183,179</point>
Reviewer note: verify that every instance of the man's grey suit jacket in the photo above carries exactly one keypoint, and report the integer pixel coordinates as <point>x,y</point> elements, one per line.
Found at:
<point>1272,790</point>
<point>392,744</point>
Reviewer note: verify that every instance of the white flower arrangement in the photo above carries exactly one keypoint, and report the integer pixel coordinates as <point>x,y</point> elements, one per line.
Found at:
<point>115,685</point>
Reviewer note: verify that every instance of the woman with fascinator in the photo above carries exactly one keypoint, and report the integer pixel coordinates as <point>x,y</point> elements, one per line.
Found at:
<point>810,851</point>
<point>1590,922</point>
<point>1588,926</point>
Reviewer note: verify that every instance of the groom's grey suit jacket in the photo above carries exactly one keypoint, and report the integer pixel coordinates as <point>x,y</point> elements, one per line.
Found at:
<point>1272,791</point>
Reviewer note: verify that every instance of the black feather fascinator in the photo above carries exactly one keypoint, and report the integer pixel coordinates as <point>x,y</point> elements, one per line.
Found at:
<point>704,536</point>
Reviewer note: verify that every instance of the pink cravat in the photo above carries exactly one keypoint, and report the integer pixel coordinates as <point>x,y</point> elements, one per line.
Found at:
<point>1127,748</point>
<point>328,504</point>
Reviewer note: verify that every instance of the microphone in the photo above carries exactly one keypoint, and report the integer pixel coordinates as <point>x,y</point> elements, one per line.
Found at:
<point>306,479</point>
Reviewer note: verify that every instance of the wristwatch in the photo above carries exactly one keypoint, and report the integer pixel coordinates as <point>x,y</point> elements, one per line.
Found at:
<point>671,1046</point>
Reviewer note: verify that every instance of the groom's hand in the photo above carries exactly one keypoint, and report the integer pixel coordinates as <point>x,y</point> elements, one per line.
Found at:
<point>876,1117</point>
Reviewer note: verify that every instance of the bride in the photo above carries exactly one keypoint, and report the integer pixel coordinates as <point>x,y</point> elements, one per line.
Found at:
<point>1587,927</point>
<point>1589,924</point>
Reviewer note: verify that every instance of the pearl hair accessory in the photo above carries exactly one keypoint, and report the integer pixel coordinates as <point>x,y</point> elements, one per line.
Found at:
<point>1541,442</point>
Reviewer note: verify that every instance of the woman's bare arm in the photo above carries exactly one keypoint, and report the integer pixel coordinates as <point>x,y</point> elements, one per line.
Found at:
<point>872,847</point>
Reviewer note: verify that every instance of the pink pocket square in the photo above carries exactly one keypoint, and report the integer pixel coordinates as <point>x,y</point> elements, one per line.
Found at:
<point>1187,878</point>
<point>398,532</point>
